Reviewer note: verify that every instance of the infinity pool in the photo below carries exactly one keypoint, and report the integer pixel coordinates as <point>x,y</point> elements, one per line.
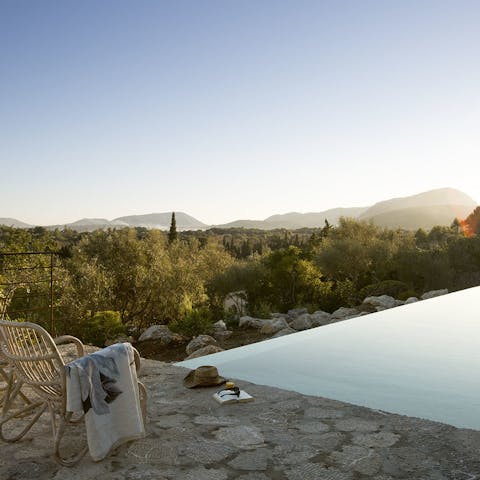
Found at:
<point>420,360</point>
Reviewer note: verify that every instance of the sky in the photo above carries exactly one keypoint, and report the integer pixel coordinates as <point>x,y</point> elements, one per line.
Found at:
<point>227,110</point>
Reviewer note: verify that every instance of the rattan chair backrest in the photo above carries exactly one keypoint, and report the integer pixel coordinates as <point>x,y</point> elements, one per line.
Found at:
<point>33,353</point>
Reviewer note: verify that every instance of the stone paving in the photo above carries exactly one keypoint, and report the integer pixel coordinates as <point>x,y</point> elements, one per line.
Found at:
<point>281,436</point>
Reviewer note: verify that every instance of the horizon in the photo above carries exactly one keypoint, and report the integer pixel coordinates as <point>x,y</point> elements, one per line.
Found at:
<point>216,224</point>
<point>228,111</point>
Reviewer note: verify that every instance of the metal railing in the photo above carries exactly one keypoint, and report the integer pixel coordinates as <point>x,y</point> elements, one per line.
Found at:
<point>27,286</point>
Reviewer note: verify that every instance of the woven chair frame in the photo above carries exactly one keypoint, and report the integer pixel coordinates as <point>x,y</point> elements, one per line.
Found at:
<point>36,363</point>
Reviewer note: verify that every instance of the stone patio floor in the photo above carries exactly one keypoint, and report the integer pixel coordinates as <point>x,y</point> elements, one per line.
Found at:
<point>282,435</point>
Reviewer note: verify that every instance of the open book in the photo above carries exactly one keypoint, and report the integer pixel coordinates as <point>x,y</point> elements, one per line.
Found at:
<point>227,396</point>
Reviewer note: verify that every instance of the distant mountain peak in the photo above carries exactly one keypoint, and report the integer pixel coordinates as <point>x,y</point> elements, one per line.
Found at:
<point>12,222</point>
<point>97,221</point>
<point>431,198</point>
<point>422,210</point>
<point>162,221</point>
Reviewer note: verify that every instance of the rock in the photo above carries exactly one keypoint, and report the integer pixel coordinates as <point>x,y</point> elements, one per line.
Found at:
<point>267,328</point>
<point>199,342</point>
<point>242,436</point>
<point>357,424</point>
<point>358,459</point>
<point>274,326</point>
<point>296,312</point>
<point>209,349</point>
<point>315,471</point>
<point>252,460</point>
<point>434,293</point>
<point>303,322</point>
<point>384,301</point>
<point>250,322</point>
<point>220,336</point>
<point>379,439</point>
<point>411,300</point>
<point>344,313</point>
<point>236,302</point>
<point>285,331</point>
<point>219,326</point>
<point>279,315</point>
<point>320,318</point>
<point>119,339</point>
<point>202,473</point>
<point>158,332</point>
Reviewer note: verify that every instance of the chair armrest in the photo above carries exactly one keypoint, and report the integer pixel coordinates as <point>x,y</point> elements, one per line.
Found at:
<point>136,357</point>
<point>70,339</point>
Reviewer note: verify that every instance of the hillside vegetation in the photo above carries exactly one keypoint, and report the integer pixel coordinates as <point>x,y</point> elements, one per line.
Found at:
<point>423,210</point>
<point>144,279</point>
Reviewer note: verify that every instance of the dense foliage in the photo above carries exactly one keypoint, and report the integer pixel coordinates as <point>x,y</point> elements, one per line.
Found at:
<point>114,281</point>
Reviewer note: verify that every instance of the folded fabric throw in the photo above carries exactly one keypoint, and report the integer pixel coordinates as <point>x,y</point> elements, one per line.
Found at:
<point>104,386</point>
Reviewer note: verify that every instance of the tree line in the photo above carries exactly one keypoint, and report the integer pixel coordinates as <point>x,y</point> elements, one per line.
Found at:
<point>110,281</point>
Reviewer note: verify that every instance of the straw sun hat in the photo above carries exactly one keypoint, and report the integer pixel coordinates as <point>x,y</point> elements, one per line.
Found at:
<point>206,376</point>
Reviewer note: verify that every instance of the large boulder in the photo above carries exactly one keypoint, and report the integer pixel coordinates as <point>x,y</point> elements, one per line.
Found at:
<point>296,312</point>
<point>250,322</point>
<point>160,334</point>
<point>434,293</point>
<point>220,336</point>
<point>236,302</point>
<point>383,301</point>
<point>207,350</point>
<point>285,331</point>
<point>119,339</point>
<point>220,332</point>
<point>320,318</point>
<point>274,326</point>
<point>343,313</point>
<point>199,342</point>
<point>219,326</point>
<point>303,322</point>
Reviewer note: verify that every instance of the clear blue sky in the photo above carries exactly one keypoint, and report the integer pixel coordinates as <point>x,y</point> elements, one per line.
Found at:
<point>230,110</point>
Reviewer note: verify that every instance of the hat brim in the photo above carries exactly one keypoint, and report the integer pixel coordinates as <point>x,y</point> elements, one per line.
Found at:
<point>189,381</point>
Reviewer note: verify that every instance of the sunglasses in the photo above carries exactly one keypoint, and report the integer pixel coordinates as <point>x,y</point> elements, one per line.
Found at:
<point>230,391</point>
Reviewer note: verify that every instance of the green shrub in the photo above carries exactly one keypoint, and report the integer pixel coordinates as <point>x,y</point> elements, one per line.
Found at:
<point>393,288</point>
<point>340,294</point>
<point>261,310</point>
<point>102,326</point>
<point>197,321</point>
<point>407,294</point>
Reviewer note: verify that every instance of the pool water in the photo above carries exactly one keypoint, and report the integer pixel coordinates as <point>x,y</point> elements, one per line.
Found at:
<point>420,360</point>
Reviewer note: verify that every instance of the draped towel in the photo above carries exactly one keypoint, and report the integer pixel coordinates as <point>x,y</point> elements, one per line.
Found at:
<point>104,386</point>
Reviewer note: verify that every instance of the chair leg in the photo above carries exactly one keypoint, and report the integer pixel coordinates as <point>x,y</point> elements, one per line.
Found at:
<point>58,434</point>
<point>143,401</point>
<point>14,415</point>
<point>10,383</point>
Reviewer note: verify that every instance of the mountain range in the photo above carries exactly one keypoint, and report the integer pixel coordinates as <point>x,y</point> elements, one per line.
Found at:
<point>424,210</point>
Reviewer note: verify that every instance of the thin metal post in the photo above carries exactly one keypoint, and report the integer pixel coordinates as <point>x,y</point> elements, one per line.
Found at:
<point>12,282</point>
<point>51,294</point>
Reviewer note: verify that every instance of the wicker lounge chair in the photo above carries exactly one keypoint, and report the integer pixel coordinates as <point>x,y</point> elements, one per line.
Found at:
<point>39,369</point>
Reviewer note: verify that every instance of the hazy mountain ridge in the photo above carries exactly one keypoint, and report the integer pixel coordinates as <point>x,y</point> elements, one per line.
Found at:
<point>296,220</point>
<point>438,197</point>
<point>12,222</point>
<point>162,221</point>
<point>413,218</point>
<point>423,210</point>
<point>97,221</point>
<point>314,219</point>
